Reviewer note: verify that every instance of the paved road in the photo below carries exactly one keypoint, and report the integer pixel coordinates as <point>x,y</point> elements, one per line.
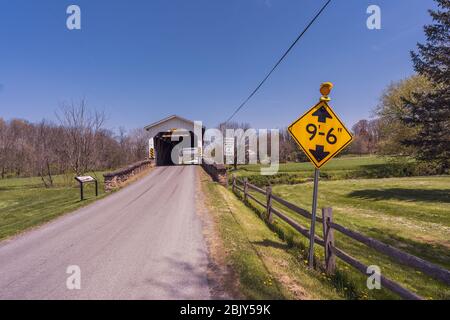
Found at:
<point>143,242</point>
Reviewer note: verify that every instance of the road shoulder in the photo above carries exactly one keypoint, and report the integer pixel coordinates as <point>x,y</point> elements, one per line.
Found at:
<point>221,277</point>
<point>263,265</point>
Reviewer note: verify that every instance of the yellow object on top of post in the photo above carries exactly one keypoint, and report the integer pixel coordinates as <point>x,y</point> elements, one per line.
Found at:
<point>325,89</point>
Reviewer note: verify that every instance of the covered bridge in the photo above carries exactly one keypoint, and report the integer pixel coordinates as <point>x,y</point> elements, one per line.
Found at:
<point>167,133</point>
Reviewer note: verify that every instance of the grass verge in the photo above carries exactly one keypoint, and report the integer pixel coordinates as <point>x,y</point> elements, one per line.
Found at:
<point>25,203</point>
<point>266,266</point>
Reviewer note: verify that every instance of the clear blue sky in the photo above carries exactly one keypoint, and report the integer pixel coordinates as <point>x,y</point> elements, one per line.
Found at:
<point>140,61</point>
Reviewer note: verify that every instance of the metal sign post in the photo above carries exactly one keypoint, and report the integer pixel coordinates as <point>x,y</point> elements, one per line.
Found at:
<point>312,231</point>
<point>321,135</point>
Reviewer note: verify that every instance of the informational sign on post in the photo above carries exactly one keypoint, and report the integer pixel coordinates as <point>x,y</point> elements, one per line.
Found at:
<point>86,179</point>
<point>321,135</point>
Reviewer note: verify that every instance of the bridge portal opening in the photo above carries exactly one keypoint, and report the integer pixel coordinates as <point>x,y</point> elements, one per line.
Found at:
<point>166,151</point>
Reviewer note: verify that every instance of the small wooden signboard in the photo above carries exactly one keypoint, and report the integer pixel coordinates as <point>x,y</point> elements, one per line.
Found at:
<point>86,179</point>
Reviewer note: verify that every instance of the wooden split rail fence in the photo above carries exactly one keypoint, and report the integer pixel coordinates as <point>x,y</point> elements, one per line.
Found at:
<point>331,251</point>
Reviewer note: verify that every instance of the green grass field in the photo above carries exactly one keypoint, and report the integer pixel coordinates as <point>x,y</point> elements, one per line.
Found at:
<point>411,213</point>
<point>25,202</point>
<point>348,167</point>
<point>337,165</point>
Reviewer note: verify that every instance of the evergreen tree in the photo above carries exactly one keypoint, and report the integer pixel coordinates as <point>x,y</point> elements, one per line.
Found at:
<point>429,112</point>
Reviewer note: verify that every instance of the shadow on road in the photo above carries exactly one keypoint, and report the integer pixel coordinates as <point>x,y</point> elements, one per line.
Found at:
<point>180,280</point>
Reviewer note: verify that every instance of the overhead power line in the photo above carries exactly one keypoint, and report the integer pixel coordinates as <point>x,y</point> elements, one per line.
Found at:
<point>279,61</point>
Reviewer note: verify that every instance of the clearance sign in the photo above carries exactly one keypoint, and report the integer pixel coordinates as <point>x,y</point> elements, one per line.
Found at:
<point>320,133</point>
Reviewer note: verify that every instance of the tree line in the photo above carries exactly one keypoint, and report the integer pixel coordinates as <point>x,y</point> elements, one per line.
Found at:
<point>76,143</point>
<point>413,115</point>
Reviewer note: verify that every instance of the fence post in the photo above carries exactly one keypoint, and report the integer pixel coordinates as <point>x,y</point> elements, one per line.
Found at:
<point>269,203</point>
<point>245,188</point>
<point>233,185</point>
<point>328,237</point>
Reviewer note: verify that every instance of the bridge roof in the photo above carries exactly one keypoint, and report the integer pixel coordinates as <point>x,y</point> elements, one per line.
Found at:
<point>174,116</point>
<point>168,123</point>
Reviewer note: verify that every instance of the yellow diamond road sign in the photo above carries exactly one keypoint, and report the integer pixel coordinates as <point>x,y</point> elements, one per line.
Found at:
<point>320,133</point>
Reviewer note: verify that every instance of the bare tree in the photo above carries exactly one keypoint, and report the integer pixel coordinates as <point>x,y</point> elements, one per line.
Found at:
<point>45,147</point>
<point>138,142</point>
<point>366,137</point>
<point>4,147</point>
<point>81,127</point>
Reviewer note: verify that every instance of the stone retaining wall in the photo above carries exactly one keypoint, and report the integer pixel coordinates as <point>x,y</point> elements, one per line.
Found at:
<point>116,178</point>
<point>217,171</point>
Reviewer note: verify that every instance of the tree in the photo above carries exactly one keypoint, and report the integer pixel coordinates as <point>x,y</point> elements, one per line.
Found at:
<point>137,141</point>
<point>392,109</point>
<point>19,146</point>
<point>81,128</point>
<point>4,147</point>
<point>46,138</point>
<point>429,112</point>
<point>289,149</point>
<point>366,136</point>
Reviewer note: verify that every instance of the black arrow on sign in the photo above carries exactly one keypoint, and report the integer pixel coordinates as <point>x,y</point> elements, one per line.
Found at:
<point>322,114</point>
<point>319,154</point>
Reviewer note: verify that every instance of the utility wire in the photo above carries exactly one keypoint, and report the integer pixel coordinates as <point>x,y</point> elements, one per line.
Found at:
<point>279,61</point>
